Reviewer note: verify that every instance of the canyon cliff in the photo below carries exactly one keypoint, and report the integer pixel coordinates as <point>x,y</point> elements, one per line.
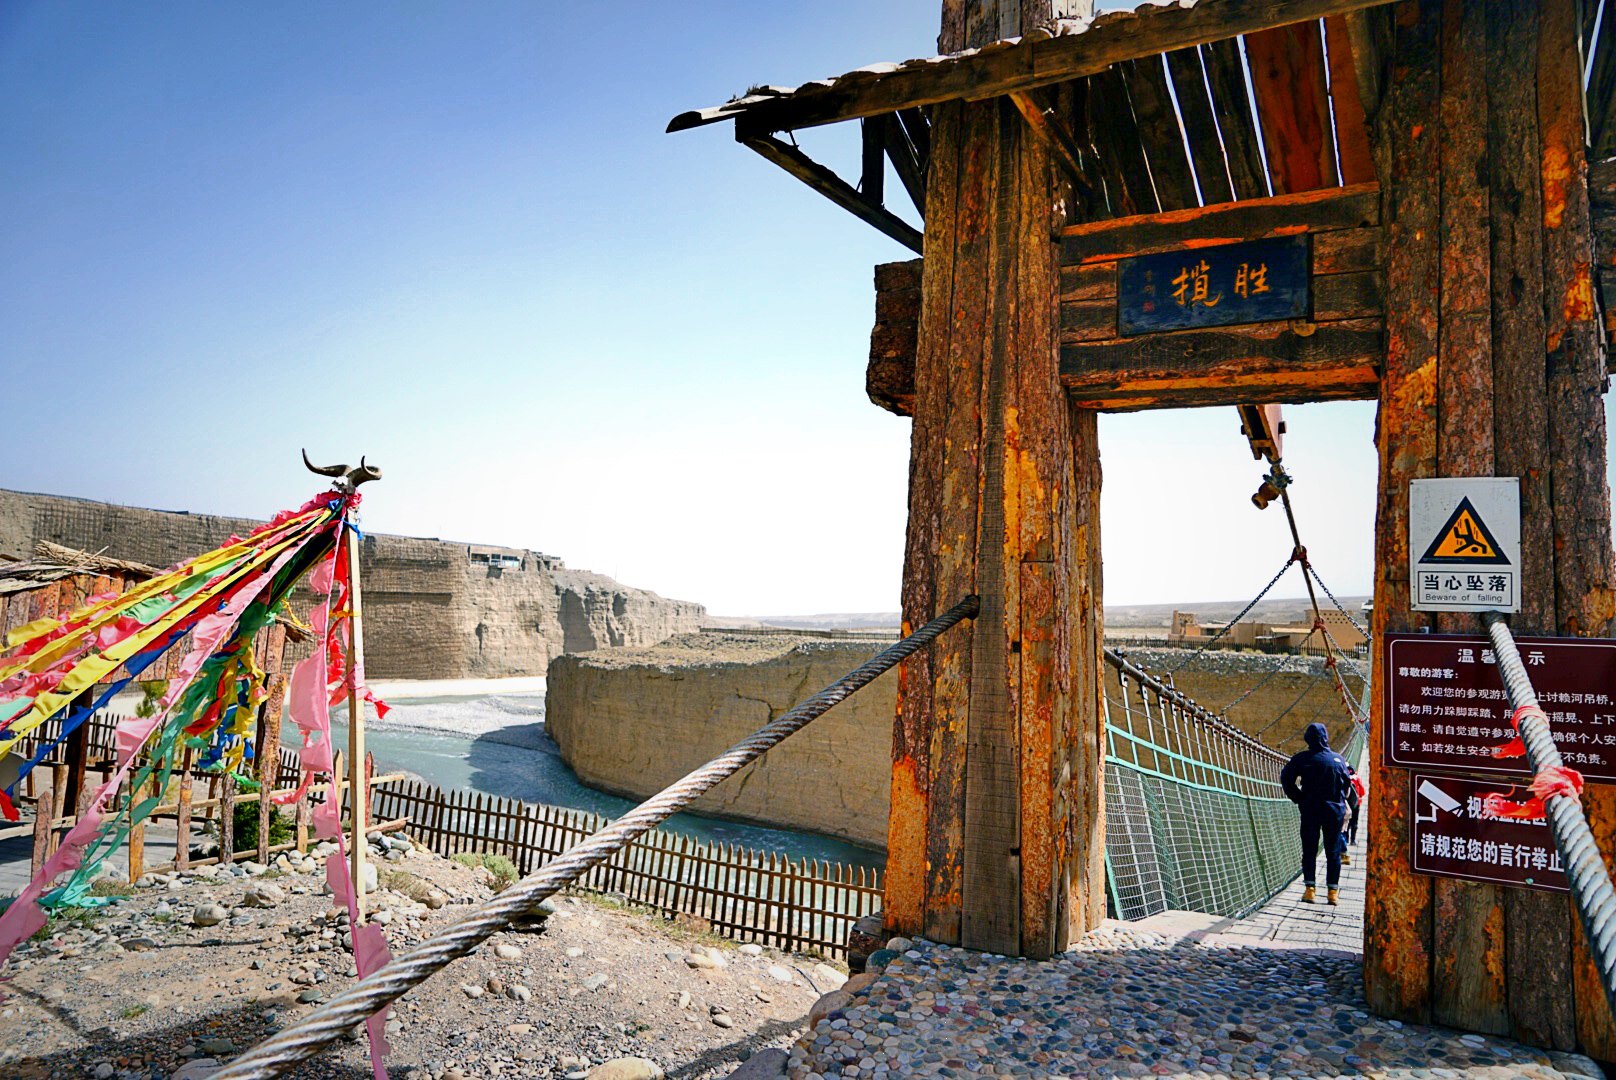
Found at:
<point>434,609</point>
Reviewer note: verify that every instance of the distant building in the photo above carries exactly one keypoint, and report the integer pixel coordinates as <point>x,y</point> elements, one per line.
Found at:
<point>1186,629</point>
<point>1308,639</point>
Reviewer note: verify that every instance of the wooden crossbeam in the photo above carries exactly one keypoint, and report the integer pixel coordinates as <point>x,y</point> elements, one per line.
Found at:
<point>1253,219</point>
<point>1274,362</point>
<point>834,188</point>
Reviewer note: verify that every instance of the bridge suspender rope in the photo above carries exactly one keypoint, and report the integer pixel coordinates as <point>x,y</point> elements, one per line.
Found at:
<point>376,991</point>
<point>1559,787</point>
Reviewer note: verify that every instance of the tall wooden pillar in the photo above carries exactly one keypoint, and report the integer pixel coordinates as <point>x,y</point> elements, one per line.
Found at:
<point>996,835</point>
<point>1494,367</point>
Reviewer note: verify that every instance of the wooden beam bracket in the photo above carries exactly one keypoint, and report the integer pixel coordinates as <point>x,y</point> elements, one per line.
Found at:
<point>833,187</point>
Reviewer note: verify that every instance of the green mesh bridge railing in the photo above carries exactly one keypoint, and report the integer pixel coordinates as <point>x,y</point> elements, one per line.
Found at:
<point>1195,819</point>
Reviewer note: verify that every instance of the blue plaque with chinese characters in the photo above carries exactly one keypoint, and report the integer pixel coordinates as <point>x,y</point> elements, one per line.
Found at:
<point>1250,282</point>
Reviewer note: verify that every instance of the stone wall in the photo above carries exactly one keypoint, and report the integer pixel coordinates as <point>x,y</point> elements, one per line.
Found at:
<point>434,609</point>
<point>632,721</point>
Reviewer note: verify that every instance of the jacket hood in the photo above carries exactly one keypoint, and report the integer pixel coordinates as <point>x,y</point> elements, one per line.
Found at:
<point>1317,737</point>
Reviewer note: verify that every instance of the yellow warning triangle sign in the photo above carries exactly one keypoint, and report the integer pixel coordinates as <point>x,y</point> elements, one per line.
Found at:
<point>1465,539</point>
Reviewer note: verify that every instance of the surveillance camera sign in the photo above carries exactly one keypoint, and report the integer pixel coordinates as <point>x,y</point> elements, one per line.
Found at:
<point>1464,544</point>
<point>1456,833</point>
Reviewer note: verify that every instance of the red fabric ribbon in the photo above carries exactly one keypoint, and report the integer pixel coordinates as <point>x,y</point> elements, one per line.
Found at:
<point>1516,747</point>
<point>1552,781</point>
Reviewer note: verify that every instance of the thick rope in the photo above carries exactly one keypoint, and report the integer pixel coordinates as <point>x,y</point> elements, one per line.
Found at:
<point>352,1006</point>
<point>1585,868</point>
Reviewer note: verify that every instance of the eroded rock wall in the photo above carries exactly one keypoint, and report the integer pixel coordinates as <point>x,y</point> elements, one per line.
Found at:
<point>434,609</point>
<point>632,721</point>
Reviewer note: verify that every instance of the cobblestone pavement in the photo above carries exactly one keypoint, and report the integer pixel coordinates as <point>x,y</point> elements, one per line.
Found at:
<point>1278,994</point>
<point>1134,1002</point>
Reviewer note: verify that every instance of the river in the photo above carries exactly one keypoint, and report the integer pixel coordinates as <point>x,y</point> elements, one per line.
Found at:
<point>496,744</point>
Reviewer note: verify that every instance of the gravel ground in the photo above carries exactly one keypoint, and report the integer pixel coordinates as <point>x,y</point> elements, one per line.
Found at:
<point>137,990</point>
<point>1127,1003</point>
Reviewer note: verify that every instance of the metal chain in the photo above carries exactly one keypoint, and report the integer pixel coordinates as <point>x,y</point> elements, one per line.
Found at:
<point>1224,712</point>
<point>1230,625</point>
<point>1356,625</point>
<point>1306,690</point>
<point>377,990</point>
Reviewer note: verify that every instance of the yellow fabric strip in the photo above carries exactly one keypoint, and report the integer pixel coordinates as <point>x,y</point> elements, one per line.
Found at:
<point>163,582</point>
<point>92,669</point>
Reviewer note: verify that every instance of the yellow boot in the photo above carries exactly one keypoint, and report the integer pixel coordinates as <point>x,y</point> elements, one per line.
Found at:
<point>1335,896</point>
<point>1308,894</point>
<point>1346,860</point>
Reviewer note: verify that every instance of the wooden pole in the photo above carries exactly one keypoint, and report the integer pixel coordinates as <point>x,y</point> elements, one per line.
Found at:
<point>76,796</point>
<point>269,758</point>
<point>1493,368</point>
<point>137,838</point>
<point>44,811</point>
<point>356,729</point>
<point>182,829</point>
<point>227,818</point>
<point>996,824</point>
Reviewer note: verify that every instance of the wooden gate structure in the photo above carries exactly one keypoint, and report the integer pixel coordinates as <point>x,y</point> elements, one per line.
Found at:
<point>1428,161</point>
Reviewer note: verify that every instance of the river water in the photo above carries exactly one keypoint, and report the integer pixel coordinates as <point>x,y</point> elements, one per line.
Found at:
<point>496,744</point>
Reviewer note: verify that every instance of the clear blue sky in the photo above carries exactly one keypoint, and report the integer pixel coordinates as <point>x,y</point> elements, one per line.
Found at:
<point>455,237</point>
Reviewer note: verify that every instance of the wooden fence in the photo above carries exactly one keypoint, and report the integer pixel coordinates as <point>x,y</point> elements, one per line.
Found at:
<point>746,894</point>
<point>742,893</point>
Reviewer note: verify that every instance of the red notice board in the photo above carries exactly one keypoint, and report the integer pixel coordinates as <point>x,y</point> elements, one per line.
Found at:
<point>1454,837</point>
<point>1446,707</point>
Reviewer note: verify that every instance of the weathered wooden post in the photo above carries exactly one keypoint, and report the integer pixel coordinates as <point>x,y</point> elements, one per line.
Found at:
<point>996,835</point>
<point>269,732</point>
<point>1494,366</point>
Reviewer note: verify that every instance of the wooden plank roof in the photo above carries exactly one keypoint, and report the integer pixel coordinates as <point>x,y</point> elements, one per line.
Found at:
<point>1063,50</point>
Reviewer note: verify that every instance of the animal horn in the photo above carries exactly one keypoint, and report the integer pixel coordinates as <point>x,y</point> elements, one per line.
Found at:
<point>364,472</point>
<point>324,470</point>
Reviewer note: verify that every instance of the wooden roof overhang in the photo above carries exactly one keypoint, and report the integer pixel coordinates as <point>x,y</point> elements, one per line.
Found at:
<point>1138,145</point>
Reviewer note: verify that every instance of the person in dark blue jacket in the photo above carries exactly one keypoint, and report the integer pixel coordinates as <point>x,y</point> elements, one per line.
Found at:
<point>1317,781</point>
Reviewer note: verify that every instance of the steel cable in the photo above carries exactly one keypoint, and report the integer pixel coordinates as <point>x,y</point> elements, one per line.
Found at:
<point>1585,868</point>
<point>350,1007</point>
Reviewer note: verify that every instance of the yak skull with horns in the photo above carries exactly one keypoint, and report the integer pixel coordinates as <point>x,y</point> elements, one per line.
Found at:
<point>345,479</point>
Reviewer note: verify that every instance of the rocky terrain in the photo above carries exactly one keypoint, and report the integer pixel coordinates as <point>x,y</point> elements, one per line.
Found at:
<point>192,968</point>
